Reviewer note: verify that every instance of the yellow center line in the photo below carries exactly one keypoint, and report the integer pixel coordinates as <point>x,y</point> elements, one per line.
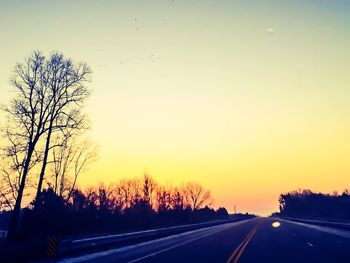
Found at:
<point>244,246</point>
<point>239,250</point>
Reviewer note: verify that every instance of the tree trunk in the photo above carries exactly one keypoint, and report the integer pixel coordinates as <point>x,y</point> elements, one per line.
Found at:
<point>72,189</point>
<point>14,221</point>
<point>43,167</point>
<point>56,186</point>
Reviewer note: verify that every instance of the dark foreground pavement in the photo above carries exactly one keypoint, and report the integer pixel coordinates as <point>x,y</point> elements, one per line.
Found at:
<point>254,240</point>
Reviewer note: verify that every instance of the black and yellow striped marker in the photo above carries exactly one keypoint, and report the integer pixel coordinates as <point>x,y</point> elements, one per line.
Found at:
<point>52,247</point>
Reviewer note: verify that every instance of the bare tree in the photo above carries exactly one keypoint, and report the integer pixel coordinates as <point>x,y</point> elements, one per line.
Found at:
<point>48,95</point>
<point>71,159</point>
<point>196,195</point>
<point>11,168</point>
<point>11,165</point>
<point>25,121</point>
<point>129,192</point>
<point>177,199</point>
<point>91,197</point>
<point>66,85</point>
<point>163,198</point>
<point>149,188</point>
<point>62,158</point>
<point>106,198</point>
<point>118,198</point>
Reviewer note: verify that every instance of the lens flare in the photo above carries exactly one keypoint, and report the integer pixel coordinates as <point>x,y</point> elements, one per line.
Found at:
<point>276,224</point>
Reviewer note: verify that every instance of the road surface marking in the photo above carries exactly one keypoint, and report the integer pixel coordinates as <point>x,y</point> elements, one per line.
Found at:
<point>240,249</point>
<point>311,245</point>
<point>168,248</point>
<point>200,233</point>
<point>174,246</point>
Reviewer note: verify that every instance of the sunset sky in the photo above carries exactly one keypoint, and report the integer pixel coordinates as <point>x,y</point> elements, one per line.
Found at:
<point>249,98</point>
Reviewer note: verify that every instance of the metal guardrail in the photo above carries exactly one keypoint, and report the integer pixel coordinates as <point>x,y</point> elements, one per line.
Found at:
<point>345,226</point>
<point>3,234</point>
<point>67,247</point>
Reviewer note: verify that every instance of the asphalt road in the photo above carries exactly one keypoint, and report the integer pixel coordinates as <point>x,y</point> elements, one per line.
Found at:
<point>254,240</point>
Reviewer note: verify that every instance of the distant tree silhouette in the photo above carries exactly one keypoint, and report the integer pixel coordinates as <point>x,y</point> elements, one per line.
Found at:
<point>103,208</point>
<point>305,203</point>
<point>177,199</point>
<point>128,192</point>
<point>222,213</point>
<point>105,198</point>
<point>163,199</point>
<point>196,195</point>
<point>149,188</point>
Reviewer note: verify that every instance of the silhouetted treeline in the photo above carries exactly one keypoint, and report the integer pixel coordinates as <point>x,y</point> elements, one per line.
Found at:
<point>307,204</point>
<point>127,206</point>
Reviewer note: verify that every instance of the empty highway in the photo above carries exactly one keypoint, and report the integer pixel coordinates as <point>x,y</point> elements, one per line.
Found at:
<point>254,240</point>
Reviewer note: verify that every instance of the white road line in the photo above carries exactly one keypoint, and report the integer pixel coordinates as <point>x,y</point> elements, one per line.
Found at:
<point>175,246</point>
<point>326,229</point>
